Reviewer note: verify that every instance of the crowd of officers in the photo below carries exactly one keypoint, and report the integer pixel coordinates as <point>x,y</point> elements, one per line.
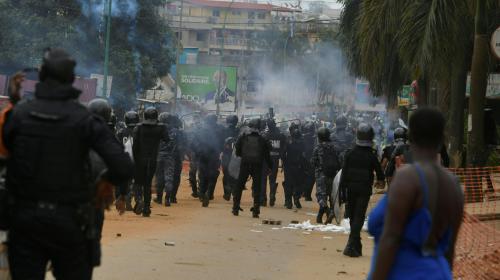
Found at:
<point>63,159</point>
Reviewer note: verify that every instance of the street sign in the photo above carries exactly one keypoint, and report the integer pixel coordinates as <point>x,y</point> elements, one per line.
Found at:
<point>495,43</point>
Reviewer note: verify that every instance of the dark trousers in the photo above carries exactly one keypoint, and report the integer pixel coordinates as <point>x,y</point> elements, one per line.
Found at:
<point>176,182</point>
<point>208,172</point>
<point>324,185</point>
<point>292,185</point>
<point>228,182</point>
<point>273,186</point>
<point>248,170</point>
<point>144,172</point>
<point>357,205</point>
<point>193,170</point>
<point>38,236</point>
<point>309,180</point>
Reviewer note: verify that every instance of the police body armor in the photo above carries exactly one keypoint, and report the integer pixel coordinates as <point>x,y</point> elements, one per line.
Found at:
<point>48,158</point>
<point>149,136</point>
<point>252,150</point>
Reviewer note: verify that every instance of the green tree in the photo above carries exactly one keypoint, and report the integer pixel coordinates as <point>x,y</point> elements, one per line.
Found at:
<point>140,49</point>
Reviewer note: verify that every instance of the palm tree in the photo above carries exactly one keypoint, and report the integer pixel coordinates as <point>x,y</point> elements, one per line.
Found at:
<point>391,42</point>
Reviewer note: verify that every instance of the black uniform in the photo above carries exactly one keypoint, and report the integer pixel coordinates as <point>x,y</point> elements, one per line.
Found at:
<point>356,187</point>
<point>208,144</point>
<point>254,151</point>
<point>294,163</point>
<point>325,157</point>
<point>277,142</point>
<point>147,137</point>
<point>230,136</point>
<point>49,139</point>
<point>400,148</point>
<point>169,169</point>
<point>309,178</point>
<point>193,162</point>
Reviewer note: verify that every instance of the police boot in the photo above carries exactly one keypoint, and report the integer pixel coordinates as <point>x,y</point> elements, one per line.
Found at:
<point>227,196</point>
<point>159,198</point>
<point>296,201</point>
<point>138,207</point>
<point>205,200</point>
<point>321,212</point>
<point>255,211</point>
<point>173,200</point>
<point>272,200</point>
<point>167,200</point>
<point>146,212</point>
<point>288,203</point>
<point>330,216</point>
<point>350,251</point>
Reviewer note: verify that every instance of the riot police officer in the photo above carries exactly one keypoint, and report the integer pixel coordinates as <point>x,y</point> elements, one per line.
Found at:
<point>49,139</point>
<point>125,136</point>
<point>254,151</point>
<point>356,182</point>
<point>401,147</point>
<point>170,158</point>
<point>309,138</point>
<point>208,147</point>
<point>326,165</point>
<point>230,136</point>
<point>147,137</point>
<point>277,141</point>
<point>294,162</point>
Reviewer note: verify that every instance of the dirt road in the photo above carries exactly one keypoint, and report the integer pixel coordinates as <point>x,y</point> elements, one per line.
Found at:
<point>210,243</point>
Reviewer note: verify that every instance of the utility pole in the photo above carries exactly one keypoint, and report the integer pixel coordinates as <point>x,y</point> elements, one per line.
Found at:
<point>177,55</point>
<point>106,50</point>
<point>217,96</point>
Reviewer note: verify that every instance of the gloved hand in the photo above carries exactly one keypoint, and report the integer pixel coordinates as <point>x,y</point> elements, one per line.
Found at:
<point>104,194</point>
<point>120,204</point>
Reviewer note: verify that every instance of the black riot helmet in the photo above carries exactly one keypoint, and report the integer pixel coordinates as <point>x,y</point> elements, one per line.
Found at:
<point>164,118</point>
<point>232,120</point>
<point>131,118</point>
<point>400,134</point>
<point>254,124</point>
<point>341,122</point>
<point>365,135</point>
<point>323,134</point>
<point>101,108</point>
<point>57,65</point>
<point>150,115</point>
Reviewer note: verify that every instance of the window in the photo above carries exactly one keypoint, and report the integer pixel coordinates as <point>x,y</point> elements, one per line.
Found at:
<point>215,13</point>
<point>251,15</point>
<point>201,36</point>
<point>261,15</point>
<point>236,13</point>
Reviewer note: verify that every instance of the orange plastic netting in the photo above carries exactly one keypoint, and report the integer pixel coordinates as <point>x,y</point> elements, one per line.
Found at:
<point>477,254</point>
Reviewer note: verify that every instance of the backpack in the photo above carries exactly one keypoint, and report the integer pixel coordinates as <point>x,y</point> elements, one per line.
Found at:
<point>251,151</point>
<point>330,162</point>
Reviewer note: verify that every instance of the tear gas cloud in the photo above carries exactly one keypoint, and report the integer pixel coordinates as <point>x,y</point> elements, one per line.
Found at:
<point>319,77</point>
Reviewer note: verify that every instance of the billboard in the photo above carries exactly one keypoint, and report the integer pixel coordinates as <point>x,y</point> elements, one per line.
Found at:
<point>207,85</point>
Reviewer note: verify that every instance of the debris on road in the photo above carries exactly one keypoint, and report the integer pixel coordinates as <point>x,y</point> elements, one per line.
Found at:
<point>171,244</point>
